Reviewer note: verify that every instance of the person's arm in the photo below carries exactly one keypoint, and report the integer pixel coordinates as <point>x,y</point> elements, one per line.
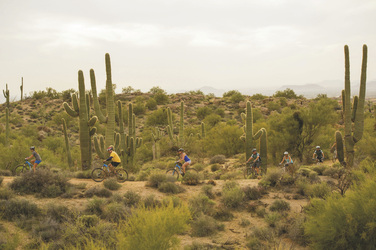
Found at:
<point>282,160</point>
<point>257,158</point>
<point>248,159</point>
<point>27,158</point>
<point>109,159</point>
<point>322,154</point>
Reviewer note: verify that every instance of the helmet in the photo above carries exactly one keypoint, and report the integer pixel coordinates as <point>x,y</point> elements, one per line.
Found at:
<point>286,153</point>
<point>110,148</point>
<point>254,150</point>
<point>32,148</point>
<point>181,150</point>
<point>317,147</point>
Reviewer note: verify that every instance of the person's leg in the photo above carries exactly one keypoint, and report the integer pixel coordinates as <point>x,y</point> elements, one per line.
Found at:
<point>185,166</point>
<point>34,164</point>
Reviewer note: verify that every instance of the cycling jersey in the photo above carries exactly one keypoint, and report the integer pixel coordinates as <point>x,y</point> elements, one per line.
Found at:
<point>114,157</point>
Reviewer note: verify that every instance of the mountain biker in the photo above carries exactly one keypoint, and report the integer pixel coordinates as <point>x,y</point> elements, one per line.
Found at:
<point>183,157</point>
<point>318,154</point>
<point>114,158</point>
<point>255,157</point>
<point>333,150</point>
<point>287,160</point>
<point>37,157</point>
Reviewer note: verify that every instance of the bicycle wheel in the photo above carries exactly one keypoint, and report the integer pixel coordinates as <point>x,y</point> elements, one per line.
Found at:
<point>191,169</point>
<point>121,175</point>
<point>173,172</point>
<point>249,173</point>
<point>98,174</point>
<point>19,170</point>
<point>334,158</point>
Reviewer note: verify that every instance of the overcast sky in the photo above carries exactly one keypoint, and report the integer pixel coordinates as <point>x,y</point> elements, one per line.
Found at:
<point>185,44</point>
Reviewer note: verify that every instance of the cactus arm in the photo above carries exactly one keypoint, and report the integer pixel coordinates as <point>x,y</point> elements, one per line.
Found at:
<point>67,147</point>
<point>117,142</point>
<point>347,114</point>
<point>92,131</point>
<point>339,145</point>
<point>92,121</point>
<point>258,134</point>
<point>98,147</point>
<point>359,122</point>
<point>248,131</point>
<point>69,110</point>
<point>97,109</point>
<point>343,100</point>
<point>264,150</point>
<point>355,106</point>
<point>75,103</point>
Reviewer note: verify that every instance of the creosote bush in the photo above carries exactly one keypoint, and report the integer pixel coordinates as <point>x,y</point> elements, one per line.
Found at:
<point>200,204</point>
<point>205,226</point>
<point>279,206</point>
<point>170,187</point>
<point>232,195</point>
<point>131,198</point>
<point>16,208</point>
<point>208,191</point>
<point>220,159</point>
<point>191,178</point>
<point>111,184</point>
<point>155,179</point>
<point>252,193</point>
<point>319,190</point>
<point>271,178</point>
<point>97,191</point>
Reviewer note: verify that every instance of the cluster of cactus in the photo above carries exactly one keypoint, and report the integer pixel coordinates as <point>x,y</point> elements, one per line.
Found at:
<point>353,116</point>
<point>81,109</point>
<point>67,147</point>
<point>109,119</point>
<point>127,145</point>
<point>248,137</point>
<point>7,129</point>
<point>203,131</point>
<point>178,140</point>
<point>157,135</point>
<point>21,88</point>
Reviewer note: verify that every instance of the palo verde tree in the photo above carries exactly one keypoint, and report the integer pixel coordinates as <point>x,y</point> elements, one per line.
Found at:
<point>353,116</point>
<point>109,118</point>
<point>81,109</point>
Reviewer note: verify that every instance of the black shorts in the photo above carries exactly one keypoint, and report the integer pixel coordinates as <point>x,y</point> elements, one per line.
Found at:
<point>256,164</point>
<point>115,164</point>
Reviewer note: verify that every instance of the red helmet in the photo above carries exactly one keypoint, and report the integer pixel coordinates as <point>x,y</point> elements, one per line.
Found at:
<point>110,148</point>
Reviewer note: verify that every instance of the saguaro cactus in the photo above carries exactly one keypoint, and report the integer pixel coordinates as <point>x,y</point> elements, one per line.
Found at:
<point>7,130</point>
<point>248,137</point>
<point>21,88</point>
<point>178,140</point>
<point>132,142</point>
<point>6,95</point>
<point>109,119</point>
<point>355,114</point>
<point>67,147</point>
<point>157,135</point>
<point>81,109</point>
<point>203,131</point>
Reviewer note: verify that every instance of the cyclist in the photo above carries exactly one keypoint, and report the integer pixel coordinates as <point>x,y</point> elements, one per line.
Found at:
<point>114,158</point>
<point>333,150</point>
<point>37,157</point>
<point>318,154</point>
<point>183,157</point>
<point>255,157</point>
<point>287,160</point>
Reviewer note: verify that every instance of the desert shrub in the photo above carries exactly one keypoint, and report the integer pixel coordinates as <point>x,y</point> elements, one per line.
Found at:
<point>157,117</point>
<point>199,167</point>
<point>252,193</point>
<point>47,230</point>
<point>170,187</point>
<point>131,198</point>
<point>97,191</point>
<point>208,191</point>
<point>115,212</point>
<point>302,186</point>
<point>59,213</point>
<point>287,93</point>
<point>232,197</point>
<point>203,112</point>
<point>244,222</point>
<point>191,178</point>
<point>42,182</point>
<point>205,226</point>
<point>161,98</point>
<point>344,222</point>
<point>200,246</point>
<point>6,193</point>
<point>279,206</point>
<point>264,234</point>
<point>15,208</point>
<point>214,167</point>
<point>142,176</point>
<point>222,213</point>
<point>272,219</point>
<point>151,104</point>
<point>83,174</point>
<point>1,180</point>
<point>5,172</point>
<point>153,228</point>
<point>221,159</point>
<point>271,178</point>
<point>88,220</point>
<point>150,201</point>
<point>319,190</point>
<point>296,231</point>
<point>155,179</point>
<point>111,184</point>
<point>95,206</point>
<point>304,171</point>
<point>229,176</point>
<point>319,169</point>
<point>286,180</point>
<point>139,108</point>
<point>330,172</point>
<point>261,212</point>
<point>200,204</point>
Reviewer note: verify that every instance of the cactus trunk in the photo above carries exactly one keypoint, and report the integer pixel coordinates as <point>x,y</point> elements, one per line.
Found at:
<point>339,146</point>
<point>21,88</point>
<point>264,151</point>
<point>7,130</point>
<point>67,147</point>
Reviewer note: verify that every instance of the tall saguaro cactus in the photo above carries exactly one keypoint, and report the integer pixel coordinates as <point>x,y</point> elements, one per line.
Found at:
<point>353,116</point>
<point>176,140</point>
<point>203,131</point>
<point>6,95</point>
<point>7,129</point>
<point>109,118</point>
<point>67,147</point>
<point>248,137</point>
<point>157,135</point>
<point>81,109</point>
<point>21,88</point>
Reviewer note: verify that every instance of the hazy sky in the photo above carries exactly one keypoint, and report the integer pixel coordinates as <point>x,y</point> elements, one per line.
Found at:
<point>183,44</point>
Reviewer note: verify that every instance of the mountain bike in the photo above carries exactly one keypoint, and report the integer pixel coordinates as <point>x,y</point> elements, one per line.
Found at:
<point>22,168</point>
<point>318,161</point>
<point>334,156</point>
<point>250,171</point>
<point>178,170</point>
<point>99,174</point>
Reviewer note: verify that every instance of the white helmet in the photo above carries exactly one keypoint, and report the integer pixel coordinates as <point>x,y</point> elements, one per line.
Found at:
<point>317,147</point>
<point>286,153</point>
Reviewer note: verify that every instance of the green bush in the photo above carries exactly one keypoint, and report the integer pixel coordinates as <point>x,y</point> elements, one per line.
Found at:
<point>97,191</point>
<point>15,208</point>
<point>161,98</point>
<point>222,213</point>
<point>115,212</point>
<point>272,219</point>
<point>252,193</point>
<point>59,213</point>
<point>286,180</point>
<point>150,201</point>
<point>42,182</point>
<point>191,178</point>
<point>83,174</point>
<point>215,167</point>
<point>200,204</point>
<point>157,118</point>
<point>221,159</point>
<point>319,169</point>
<point>319,190</point>
<point>47,230</point>
<point>151,104</point>
<point>279,206</point>
<point>208,191</point>
<point>95,206</point>
<point>202,112</point>
<point>244,222</point>
<point>153,228</point>
<point>6,193</point>
<point>170,187</point>
<point>271,178</point>
<point>205,226</point>
<point>131,198</point>
<point>1,180</point>
<point>344,222</point>
<point>232,197</point>
<point>111,184</point>
<point>5,172</point>
<point>156,179</point>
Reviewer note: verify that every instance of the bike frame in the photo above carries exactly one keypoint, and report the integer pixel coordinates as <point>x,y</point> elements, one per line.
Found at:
<point>177,166</point>
<point>28,163</point>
